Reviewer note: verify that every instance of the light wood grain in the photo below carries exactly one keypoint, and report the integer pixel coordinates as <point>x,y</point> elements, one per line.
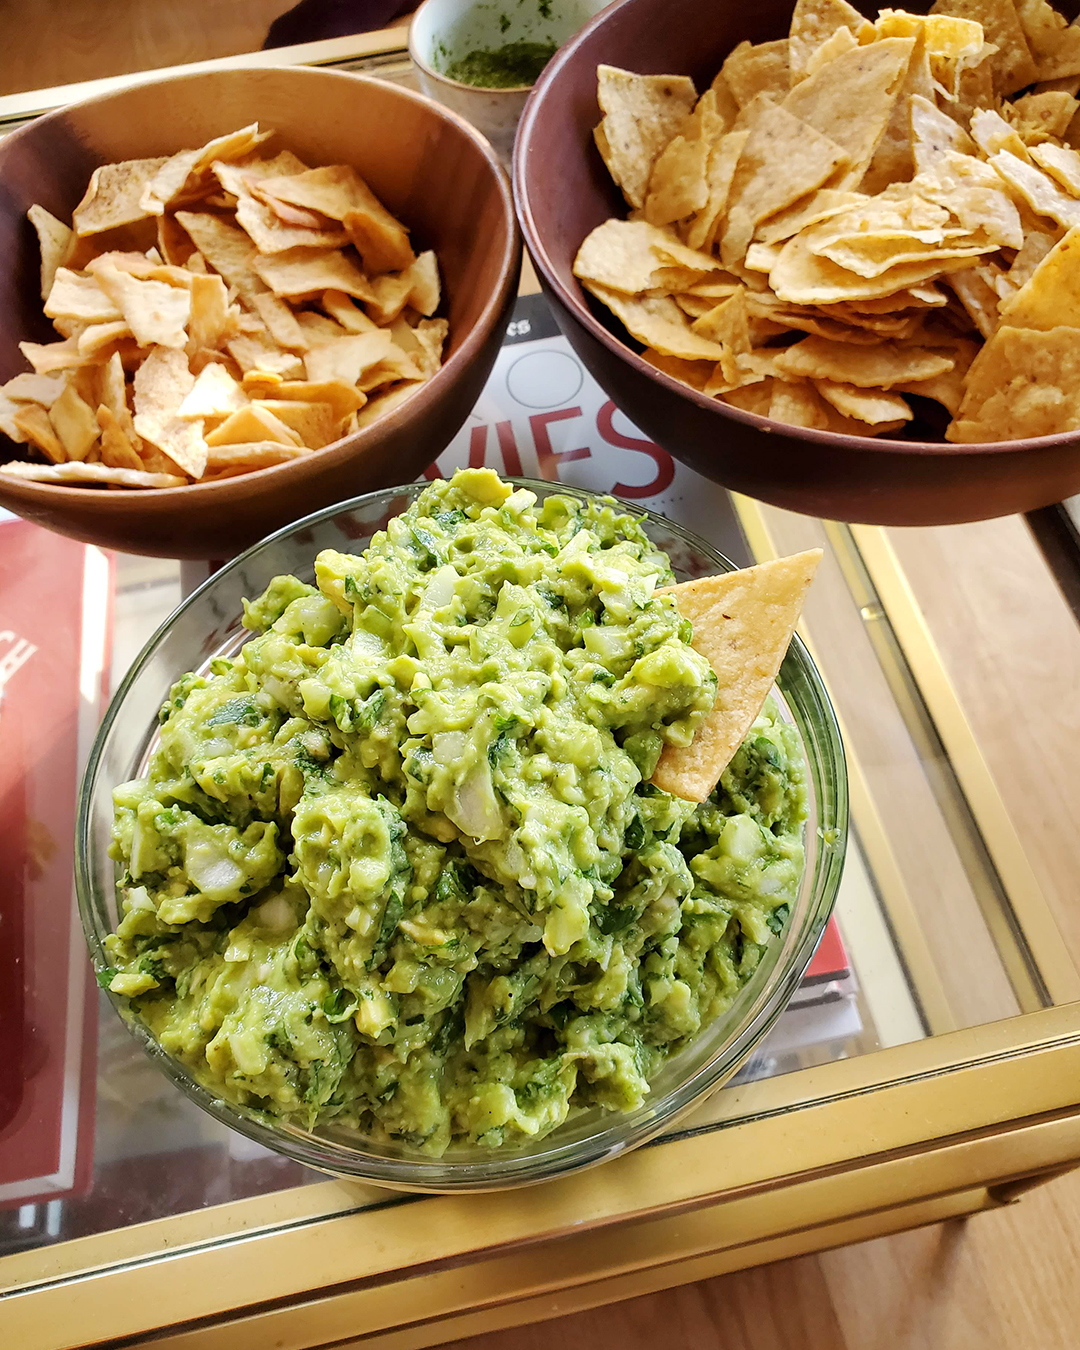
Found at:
<point>1005,1280</point>
<point>1012,650</point>
<point>934,874</point>
<point>47,42</point>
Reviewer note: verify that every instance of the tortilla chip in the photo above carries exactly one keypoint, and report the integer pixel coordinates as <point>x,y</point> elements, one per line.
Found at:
<point>397,365</point>
<point>114,195</point>
<point>227,250</point>
<point>117,449</point>
<point>174,242</point>
<point>346,359</point>
<point>90,473</point>
<point>800,277</point>
<point>431,334</point>
<point>305,272</point>
<point>28,388</point>
<point>878,367</point>
<point>49,356</point>
<point>319,328</point>
<point>74,422</point>
<point>316,424</point>
<point>1062,163</point>
<point>268,231</point>
<point>751,398</point>
<point>162,383</point>
<point>695,306</point>
<point>783,160</point>
<point>694,374</point>
<point>281,322</point>
<point>743,624</point>
<point>945,35</point>
<point>286,212</point>
<point>839,44</point>
<point>187,176</point>
<point>77,297</point>
<point>257,351</point>
<point>339,193</point>
<point>727,324</point>
<point>1012,63</point>
<point>692,263</point>
<point>723,159</point>
<point>934,136</point>
<point>1040,192</point>
<point>386,401</point>
<point>760,69</point>
<point>347,314</point>
<point>657,322</point>
<point>851,100</point>
<point>112,392</point>
<point>1023,383</point>
<point>212,321</point>
<point>54,241</point>
<point>139,265</point>
<point>249,455</point>
<point>1051,295</point>
<point>34,427</point>
<point>678,185</point>
<point>332,191</point>
<point>1042,117</point>
<point>424,291</point>
<point>894,159</point>
<point>215,394</point>
<point>391,296</point>
<point>381,241</point>
<point>820,205</point>
<point>252,423</point>
<point>873,406</point>
<point>343,398</point>
<point>814,22</point>
<point>871,257</point>
<point>798,405</point>
<point>978,298</point>
<point>642,113</point>
<point>155,312</point>
<point>621,254</point>
<point>1054,44</point>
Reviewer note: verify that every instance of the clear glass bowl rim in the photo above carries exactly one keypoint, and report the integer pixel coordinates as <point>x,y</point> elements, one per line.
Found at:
<point>819,731</point>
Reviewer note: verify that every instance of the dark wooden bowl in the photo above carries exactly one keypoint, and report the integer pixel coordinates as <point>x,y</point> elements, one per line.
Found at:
<point>430,167</point>
<point>563,191</point>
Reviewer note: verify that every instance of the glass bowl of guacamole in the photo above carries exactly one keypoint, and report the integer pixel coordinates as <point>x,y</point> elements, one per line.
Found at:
<point>369,861</point>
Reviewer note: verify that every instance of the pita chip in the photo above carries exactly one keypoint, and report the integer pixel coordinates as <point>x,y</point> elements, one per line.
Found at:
<point>162,383</point>
<point>54,241</point>
<point>114,196</point>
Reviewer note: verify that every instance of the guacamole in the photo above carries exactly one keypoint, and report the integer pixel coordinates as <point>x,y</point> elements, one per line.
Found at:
<point>398,864</point>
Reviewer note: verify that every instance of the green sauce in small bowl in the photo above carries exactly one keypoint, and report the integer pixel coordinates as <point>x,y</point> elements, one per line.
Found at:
<point>508,67</point>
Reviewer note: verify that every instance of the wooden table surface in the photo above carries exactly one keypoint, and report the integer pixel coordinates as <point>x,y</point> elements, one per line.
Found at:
<point>1005,1280</point>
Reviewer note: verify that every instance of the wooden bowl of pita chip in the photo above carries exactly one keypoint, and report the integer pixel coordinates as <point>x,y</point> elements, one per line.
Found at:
<point>826,256</point>
<point>232,298</point>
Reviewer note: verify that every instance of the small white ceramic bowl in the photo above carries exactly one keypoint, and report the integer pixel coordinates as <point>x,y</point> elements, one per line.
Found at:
<point>444,31</point>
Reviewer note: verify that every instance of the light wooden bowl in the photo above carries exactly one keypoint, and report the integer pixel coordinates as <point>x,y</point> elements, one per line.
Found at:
<point>430,167</point>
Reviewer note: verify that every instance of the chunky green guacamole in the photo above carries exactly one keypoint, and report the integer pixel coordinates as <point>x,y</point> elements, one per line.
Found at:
<point>398,864</point>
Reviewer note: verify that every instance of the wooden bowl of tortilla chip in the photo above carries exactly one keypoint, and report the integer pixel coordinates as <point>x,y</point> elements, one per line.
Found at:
<point>563,191</point>
<point>438,175</point>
